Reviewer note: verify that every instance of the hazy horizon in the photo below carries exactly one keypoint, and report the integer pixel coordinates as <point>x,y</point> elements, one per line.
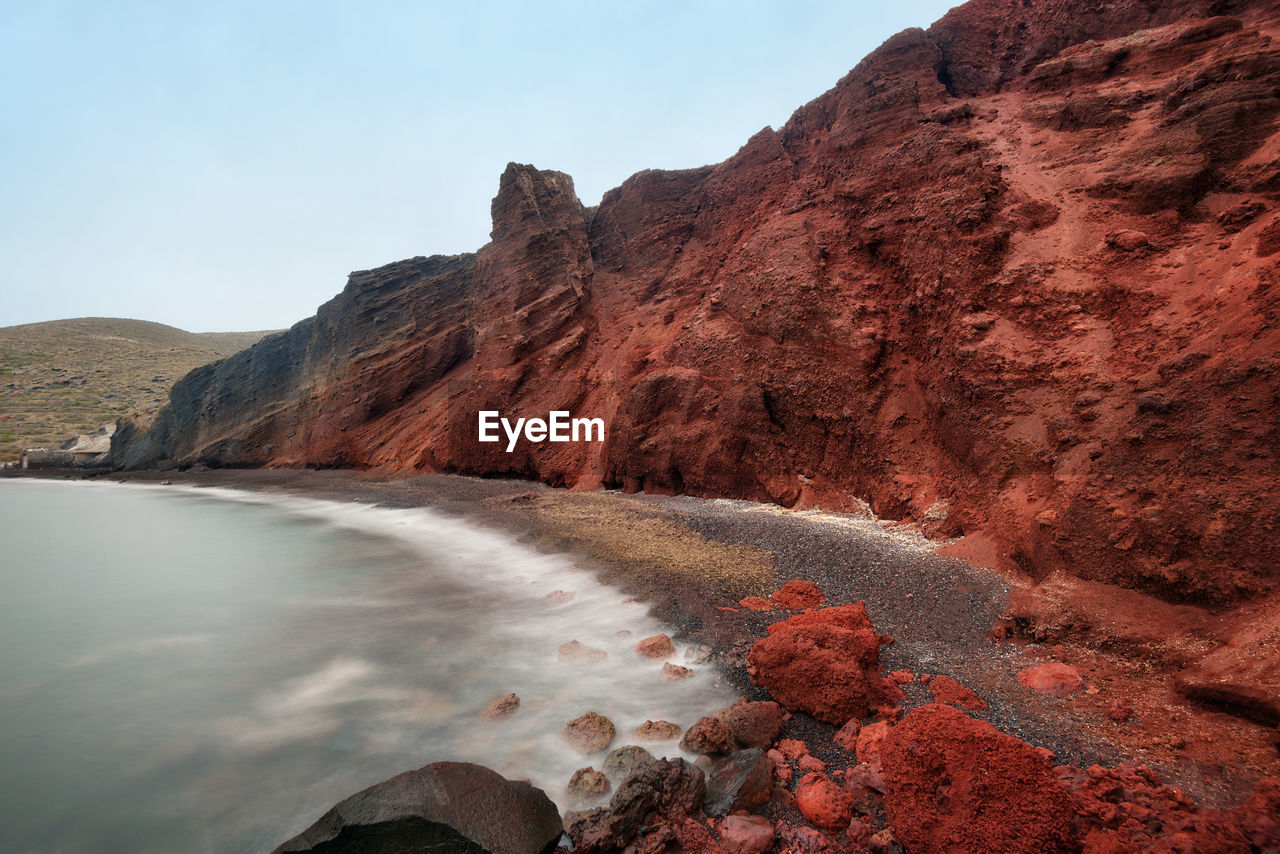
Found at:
<point>224,168</point>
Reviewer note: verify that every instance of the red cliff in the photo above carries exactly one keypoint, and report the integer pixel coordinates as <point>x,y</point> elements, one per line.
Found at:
<point>1016,275</point>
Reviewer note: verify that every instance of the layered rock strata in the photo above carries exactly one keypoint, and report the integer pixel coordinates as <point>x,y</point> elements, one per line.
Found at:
<point>1014,276</point>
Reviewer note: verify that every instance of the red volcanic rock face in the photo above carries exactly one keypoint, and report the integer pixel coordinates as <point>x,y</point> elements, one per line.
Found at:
<point>1013,275</point>
<point>1245,672</point>
<point>958,784</point>
<point>1119,807</point>
<point>821,662</point>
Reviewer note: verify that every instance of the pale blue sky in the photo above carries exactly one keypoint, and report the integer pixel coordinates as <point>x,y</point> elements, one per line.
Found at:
<point>222,166</point>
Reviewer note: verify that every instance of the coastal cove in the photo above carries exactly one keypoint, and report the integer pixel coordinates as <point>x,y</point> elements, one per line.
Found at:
<point>208,670</point>
<point>830,449</point>
<point>689,567</point>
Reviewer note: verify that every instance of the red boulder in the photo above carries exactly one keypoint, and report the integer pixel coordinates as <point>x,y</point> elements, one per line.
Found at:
<point>658,646</point>
<point>709,736</point>
<point>746,834</point>
<point>755,724</point>
<point>674,672</point>
<point>870,743</point>
<point>823,803</point>
<point>959,784</point>
<point>797,595</point>
<point>822,662</point>
<point>847,735</point>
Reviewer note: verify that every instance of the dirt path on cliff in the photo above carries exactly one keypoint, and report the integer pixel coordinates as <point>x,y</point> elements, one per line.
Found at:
<point>1068,236</point>
<point>693,559</point>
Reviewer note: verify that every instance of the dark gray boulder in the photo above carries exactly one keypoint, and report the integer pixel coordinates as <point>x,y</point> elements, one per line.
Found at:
<point>670,788</point>
<point>444,807</point>
<point>740,781</point>
<point>622,762</point>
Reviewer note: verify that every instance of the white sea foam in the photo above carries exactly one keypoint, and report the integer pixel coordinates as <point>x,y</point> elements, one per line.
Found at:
<point>338,682</point>
<point>141,646</point>
<point>507,583</point>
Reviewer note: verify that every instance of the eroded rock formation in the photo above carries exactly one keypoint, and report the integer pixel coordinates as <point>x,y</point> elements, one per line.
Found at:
<point>1014,276</point>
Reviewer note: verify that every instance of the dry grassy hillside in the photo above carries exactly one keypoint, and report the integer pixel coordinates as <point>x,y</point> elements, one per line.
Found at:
<point>69,376</point>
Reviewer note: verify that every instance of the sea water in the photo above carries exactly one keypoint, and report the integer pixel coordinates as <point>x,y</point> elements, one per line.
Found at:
<point>207,670</point>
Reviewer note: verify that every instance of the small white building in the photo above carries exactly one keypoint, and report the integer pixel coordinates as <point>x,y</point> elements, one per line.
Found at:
<point>87,449</point>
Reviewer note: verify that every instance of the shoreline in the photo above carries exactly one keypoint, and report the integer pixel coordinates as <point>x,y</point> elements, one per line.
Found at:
<point>691,561</point>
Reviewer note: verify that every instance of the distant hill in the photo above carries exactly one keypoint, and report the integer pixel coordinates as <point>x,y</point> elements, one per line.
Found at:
<point>227,343</point>
<point>65,377</point>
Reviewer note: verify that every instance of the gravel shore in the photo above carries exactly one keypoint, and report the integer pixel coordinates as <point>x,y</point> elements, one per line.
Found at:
<point>692,560</point>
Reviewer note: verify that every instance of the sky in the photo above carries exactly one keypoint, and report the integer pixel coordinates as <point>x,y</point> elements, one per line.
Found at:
<point>223,166</point>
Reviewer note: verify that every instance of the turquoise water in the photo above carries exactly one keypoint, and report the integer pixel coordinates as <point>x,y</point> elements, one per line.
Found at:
<point>207,671</point>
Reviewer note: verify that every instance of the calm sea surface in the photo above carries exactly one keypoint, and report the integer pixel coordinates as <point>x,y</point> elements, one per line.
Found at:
<point>209,671</point>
